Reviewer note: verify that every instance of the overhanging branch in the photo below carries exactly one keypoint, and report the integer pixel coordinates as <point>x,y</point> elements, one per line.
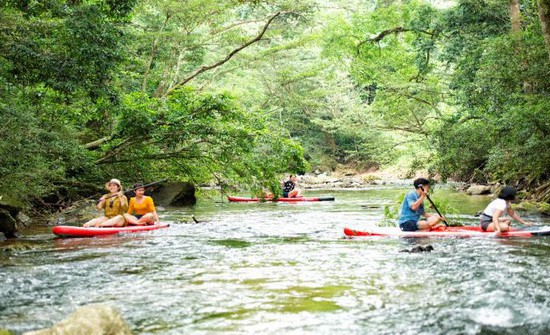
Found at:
<point>392,31</point>
<point>227,58</point>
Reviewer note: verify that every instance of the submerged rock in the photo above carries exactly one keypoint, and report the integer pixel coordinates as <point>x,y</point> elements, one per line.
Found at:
<point>419,248</point>
<point>89,320</point>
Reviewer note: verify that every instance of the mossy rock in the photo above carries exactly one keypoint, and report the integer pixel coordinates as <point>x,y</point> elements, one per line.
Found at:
<point>5,332</point>
<point>8,225</point>
<point>16,247</point>
<point>10,203</point>
<point>370,179</point>
<point>539,207</point>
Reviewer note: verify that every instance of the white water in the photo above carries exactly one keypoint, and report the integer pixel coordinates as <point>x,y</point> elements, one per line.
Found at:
<point>284,268</point>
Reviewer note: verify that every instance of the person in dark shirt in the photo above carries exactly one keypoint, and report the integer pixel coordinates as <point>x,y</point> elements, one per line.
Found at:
<point>289,188</point>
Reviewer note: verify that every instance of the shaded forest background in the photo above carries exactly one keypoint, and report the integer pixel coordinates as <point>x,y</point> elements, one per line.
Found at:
<point>237,92</point>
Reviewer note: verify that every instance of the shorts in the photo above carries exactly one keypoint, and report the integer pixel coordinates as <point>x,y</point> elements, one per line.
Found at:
<point>139,216</point>
<point>410,225</point>
<point>285,194</point>
<point>485,221</point>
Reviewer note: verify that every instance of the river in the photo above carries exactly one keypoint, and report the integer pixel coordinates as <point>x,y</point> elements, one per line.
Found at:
<point>284,269</point>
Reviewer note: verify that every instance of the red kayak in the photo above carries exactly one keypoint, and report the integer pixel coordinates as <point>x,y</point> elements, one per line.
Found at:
<point>463,231</point>
<point>298,199</point>
<point>74,231</point>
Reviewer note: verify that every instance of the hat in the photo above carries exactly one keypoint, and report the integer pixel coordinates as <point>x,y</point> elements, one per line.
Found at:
<point>114,181</point>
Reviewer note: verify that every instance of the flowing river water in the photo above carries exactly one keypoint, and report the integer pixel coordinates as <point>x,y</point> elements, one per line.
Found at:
<point>268,268</point>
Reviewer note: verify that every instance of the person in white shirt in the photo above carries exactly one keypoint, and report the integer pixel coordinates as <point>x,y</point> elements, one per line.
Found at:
<point>492,218</point>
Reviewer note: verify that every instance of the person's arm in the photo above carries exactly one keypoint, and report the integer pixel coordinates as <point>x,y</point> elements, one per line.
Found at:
<point>516,217</point>
<point>414,206</point>
<point>152,209</point>
<point>123,202</point>
<point>101,203</point>
<point>131,206</point>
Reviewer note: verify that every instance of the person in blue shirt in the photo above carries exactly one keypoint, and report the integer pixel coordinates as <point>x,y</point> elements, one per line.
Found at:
<point>413,208</point>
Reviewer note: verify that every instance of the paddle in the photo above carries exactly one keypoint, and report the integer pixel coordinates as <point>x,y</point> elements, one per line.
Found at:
<point>433,205</point>
<point>135,188</point>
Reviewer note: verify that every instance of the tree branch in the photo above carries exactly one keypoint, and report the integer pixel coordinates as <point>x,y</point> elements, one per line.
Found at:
<point>391,31</point>
<point>95,144</point>
<point>227,58</point>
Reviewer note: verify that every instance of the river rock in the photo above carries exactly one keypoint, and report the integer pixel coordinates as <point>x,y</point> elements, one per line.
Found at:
<point>7,223</point>
<point>174,194</point>
<point>476,189</point>
<point>80,212</point>
<point>419,248</point>
<point>89,320</point>
<point>9,212</point>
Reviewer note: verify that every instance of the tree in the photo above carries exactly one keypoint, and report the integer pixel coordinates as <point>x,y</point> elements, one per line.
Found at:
<point>544,16</point>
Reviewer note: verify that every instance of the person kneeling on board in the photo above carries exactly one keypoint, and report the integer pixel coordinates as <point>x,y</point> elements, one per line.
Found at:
<point>492,218</point>
<point>413,208</point>
<point>289,188</point>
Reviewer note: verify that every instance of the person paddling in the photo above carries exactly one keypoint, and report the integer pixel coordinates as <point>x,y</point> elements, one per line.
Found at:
<point>114,205</point>
<point>289,188</point>
<point>141,210</point>
<point>492,218</point>
<point>413,208</point>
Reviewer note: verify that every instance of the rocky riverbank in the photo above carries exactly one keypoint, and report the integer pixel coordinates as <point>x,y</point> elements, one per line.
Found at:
<point>346,180</point>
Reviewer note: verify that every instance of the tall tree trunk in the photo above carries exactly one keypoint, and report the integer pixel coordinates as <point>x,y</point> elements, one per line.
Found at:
<point>544,16</point>
<point>515,16</point>
<point>153,53</point>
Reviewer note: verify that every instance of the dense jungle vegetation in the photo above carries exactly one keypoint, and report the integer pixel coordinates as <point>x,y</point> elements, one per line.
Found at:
<point>238,91</point>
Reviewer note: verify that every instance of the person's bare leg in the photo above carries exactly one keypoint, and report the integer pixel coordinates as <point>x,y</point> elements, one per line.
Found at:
<point>433,222</point>
<point>117,221</point>
<point>95,222</point>
<point>147,219</point>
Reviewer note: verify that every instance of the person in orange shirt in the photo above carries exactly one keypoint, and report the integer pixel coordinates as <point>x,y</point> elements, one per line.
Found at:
<point>141,210</point>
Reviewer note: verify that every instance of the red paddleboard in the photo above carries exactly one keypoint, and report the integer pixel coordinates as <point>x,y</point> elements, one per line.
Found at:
<point>298,199</point>
<point>447,232</point>
<point>74,231</point>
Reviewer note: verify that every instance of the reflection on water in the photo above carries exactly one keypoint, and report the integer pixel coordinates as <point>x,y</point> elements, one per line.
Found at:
<point>284,268</point>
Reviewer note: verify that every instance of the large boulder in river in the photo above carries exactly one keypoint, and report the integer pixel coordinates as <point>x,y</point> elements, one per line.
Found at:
<point>476,189</point>
<point>174,194</point>
<point>89,320</point>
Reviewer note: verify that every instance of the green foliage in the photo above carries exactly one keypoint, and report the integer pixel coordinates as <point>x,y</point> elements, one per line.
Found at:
<point>194,136</point>
<point>187,90</point>
<point>391,212</point>
<point>58,61</point>
<point>36,155</point>
<point>500,84</point>
<point>445,208</point>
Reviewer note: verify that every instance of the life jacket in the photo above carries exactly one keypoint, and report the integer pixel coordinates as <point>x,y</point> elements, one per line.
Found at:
<point>113,207</point>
